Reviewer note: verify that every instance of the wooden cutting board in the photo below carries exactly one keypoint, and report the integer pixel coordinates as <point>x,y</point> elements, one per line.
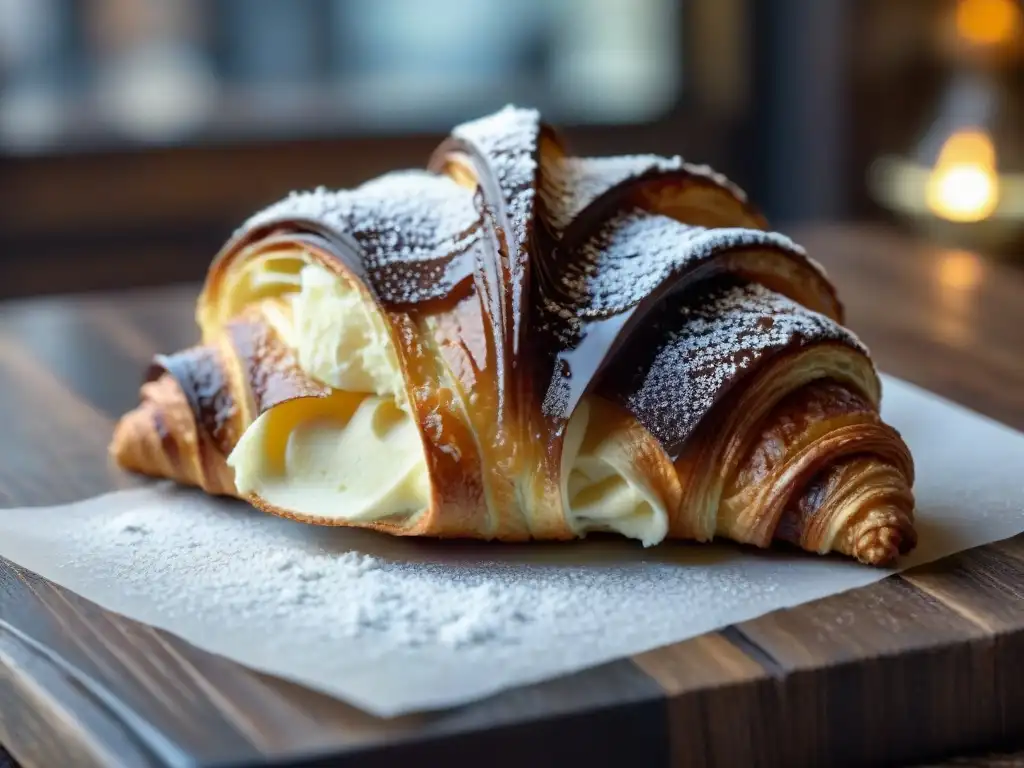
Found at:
<point>914,668</point>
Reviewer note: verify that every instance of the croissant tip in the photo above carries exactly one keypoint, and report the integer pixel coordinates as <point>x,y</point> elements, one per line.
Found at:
<point>882,545</point>
<point>878,547</point>
<point>118,447</point>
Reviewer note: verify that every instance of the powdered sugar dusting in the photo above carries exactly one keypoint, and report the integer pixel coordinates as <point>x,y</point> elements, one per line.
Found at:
<point>696,349</point>
<point>634,252</point>
<point>570,184</point>
<point>629,257</point>
<point>718,179</point>
<point>413,229</point>
<point>421,232</point>
<point>340,593</point>
<point>507,139</point>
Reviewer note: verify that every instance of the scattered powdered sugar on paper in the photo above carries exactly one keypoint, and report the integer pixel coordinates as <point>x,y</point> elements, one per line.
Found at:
<point>249,574</point>
<point>397,625</point>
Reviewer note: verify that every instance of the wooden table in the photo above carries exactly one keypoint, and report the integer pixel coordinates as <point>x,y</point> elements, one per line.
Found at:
<point>915,668</point>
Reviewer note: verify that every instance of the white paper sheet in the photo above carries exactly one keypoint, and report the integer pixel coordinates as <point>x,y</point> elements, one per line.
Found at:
<point>398,625</point>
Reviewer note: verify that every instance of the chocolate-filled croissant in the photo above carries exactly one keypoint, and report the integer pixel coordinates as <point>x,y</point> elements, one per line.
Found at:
<point>517,344</point>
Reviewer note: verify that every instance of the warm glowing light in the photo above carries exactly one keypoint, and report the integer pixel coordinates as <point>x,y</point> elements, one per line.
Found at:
<point>960,270</point>
<point>988,22</point>
<point>964,185</point>
<point>958,275</point>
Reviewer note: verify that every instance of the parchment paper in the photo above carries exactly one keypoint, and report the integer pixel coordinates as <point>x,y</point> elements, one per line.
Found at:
<point>398,625</point>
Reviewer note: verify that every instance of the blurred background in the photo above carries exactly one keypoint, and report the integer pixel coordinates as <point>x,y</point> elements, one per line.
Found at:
<point>135,134</point>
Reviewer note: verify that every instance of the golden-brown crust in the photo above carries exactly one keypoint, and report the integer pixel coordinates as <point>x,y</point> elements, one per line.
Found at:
<point>823,472</point>
<point>160,438</point>
<point>873,499</point>
<point>195,407</point>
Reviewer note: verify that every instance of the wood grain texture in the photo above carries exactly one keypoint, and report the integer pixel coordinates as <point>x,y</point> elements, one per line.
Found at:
<point>881,673</point>
<point>712,684</point>
<point>909,670</point>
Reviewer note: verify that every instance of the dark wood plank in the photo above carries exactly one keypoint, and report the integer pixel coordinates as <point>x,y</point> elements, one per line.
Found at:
<point>608,715</point>
<point>1011,547</point>
<point>712,684</point>
<point>131,667</point>
<point>883,673</point>
<point>100,348</point>
<point>985,586</point>
<point>49,720</point>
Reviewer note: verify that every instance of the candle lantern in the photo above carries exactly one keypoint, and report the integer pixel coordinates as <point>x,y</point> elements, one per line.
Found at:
<point>963,181</point>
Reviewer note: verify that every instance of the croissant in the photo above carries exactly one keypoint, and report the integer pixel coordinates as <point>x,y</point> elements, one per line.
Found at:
<point>515,343</point>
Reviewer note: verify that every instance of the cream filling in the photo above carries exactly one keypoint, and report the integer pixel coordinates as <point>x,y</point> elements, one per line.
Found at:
<point>340,338</point>
<point>357,454</point>
<point>348,456</point>
<point>603,489</point>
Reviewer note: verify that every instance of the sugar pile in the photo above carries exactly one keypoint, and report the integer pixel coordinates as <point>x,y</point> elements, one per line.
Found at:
<point>390,624</point>
<point>251,574</point>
